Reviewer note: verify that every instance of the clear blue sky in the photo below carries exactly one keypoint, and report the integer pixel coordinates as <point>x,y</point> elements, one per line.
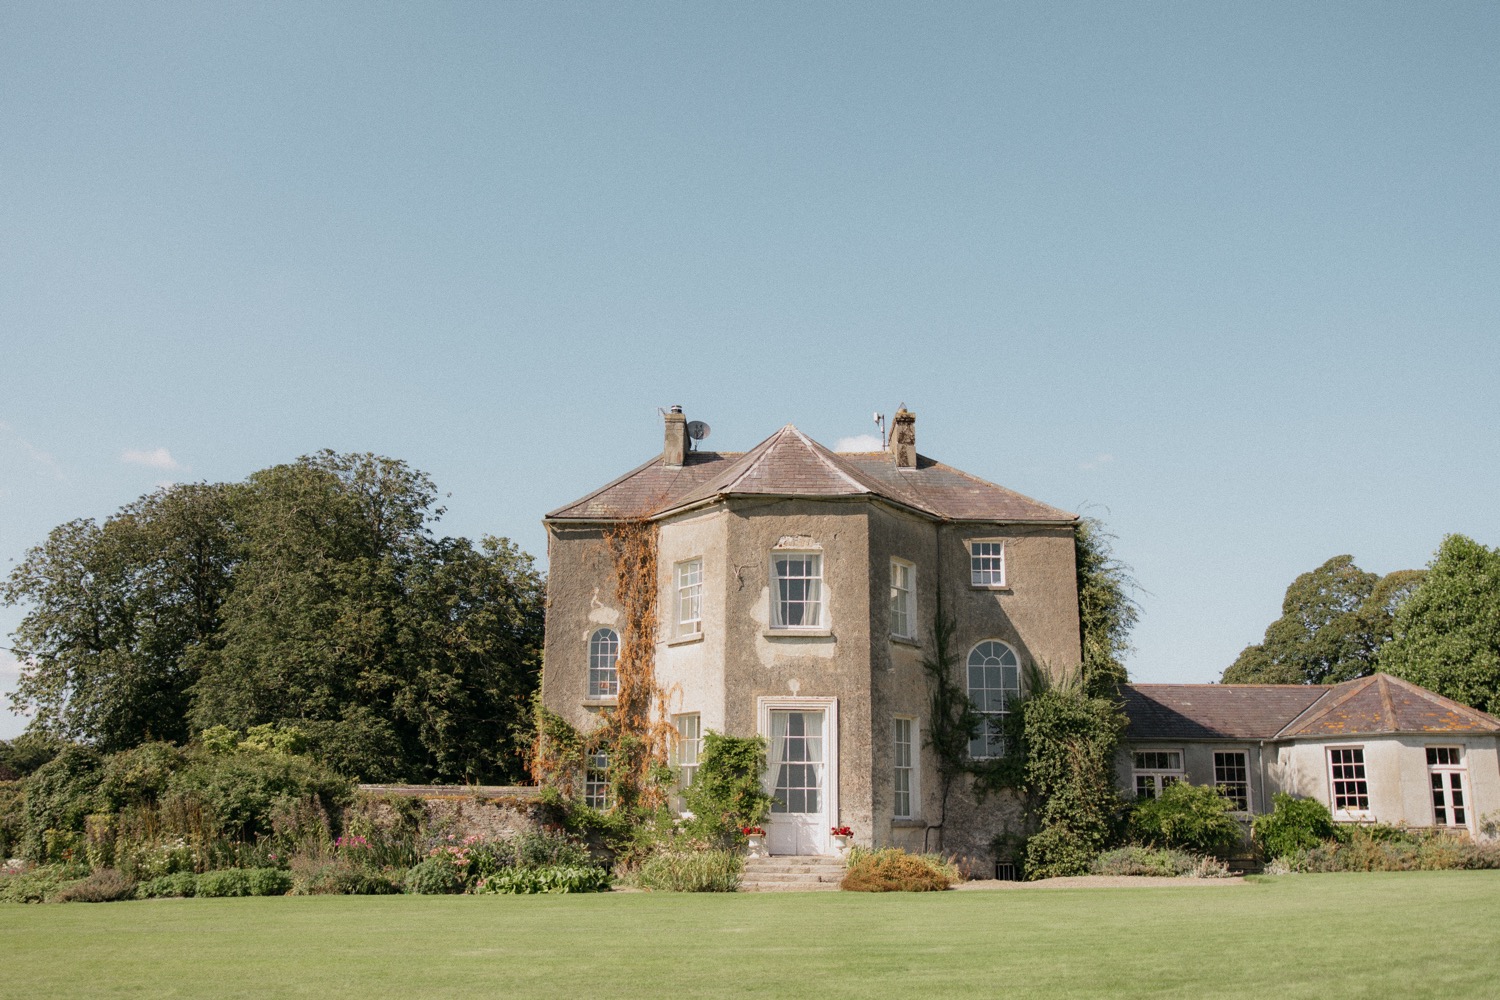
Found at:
<point>1227,275</point>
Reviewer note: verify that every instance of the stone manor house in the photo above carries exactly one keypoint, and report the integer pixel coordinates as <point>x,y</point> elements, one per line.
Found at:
<point>796,595</point>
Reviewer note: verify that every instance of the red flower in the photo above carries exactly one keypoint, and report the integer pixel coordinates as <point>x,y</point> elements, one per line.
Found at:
<point>842,831</point>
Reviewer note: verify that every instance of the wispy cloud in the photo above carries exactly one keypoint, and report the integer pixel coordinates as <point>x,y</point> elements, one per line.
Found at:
<point>860,442</point>
<point>34,453</point>
<point>10,668</point>
<point>156,458</point>
<point>1098,460</point>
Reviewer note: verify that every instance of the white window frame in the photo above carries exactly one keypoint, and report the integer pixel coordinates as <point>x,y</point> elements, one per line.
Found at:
<point>817,599</point>
<point>987,570</point>
<point>687,577</point>
<point>1244,756</point>
<point>993,719</point>
<point>903,599</point>
<point>1364,779</point>
<point>687,748</point>
<point>1457,816</point>
<point>597,793</point>
<point>603,668</point>
<point>910,770</point>
<point>1157,775</point>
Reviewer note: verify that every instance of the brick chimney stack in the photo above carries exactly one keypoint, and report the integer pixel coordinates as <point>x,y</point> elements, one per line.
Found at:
<point>676,447</point>
<point>904,438</point>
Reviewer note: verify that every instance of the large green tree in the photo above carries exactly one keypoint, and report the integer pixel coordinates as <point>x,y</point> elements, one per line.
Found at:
<point>113,607</point>
<point>1447,636</point>
<point>314,595</point>
<point>1334,621</point>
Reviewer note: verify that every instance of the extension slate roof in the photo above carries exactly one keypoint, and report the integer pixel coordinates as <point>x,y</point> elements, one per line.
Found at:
<point>790,464</point>
<point>1367,706</point>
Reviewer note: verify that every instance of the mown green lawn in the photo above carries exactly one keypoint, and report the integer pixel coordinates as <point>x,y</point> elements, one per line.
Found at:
<point>1313,936</point>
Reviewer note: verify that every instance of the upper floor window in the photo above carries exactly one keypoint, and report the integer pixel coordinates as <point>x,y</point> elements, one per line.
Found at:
<point>689,597</point>
<point>994,681</point>
<point>987,564</point>
<point>903,611</point>
<point>604,653</point>
<point>797,601</point>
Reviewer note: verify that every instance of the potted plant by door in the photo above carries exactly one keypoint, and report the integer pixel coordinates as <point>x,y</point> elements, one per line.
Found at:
<point>843,838</point>
<point>755,841</point>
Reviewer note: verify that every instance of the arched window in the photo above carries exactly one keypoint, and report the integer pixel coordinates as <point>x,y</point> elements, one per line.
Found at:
<point>994,681</point>
<point>604,651</point>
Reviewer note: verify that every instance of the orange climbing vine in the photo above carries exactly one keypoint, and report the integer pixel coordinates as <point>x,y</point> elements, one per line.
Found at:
<point>636,734</point>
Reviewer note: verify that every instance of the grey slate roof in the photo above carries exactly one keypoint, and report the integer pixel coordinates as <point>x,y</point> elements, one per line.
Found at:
<point>1214,711</point>
<point>1367,706</point>
<point>789,463</point>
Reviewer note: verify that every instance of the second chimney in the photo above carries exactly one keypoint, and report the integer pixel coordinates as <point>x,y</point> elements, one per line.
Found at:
<point>676,446</point>
<point>904,438</point>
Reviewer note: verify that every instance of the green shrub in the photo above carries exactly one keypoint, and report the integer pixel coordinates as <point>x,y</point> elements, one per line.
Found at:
<point>1189,817</point>
<point>1160,862</point>
<point>40,883</point>
<point>138,776</point>
<point>146,860</point>
<point>269,881</point>
<point>894,870</point>
<point>548,879</point>
<point>12,818</point>
<point>238,789</point>
<point>1366,850</point>
<point>1068,740</point>
<point>59,794</point>
<point>230,882</point>
<point>436,875</point>
<point>726,794</point>
<point>549,849</point>
<point>337,876</point>
<point>691,871</point>
<point>1294,825</point>
<point>103,886</point>
<point>176,884</point>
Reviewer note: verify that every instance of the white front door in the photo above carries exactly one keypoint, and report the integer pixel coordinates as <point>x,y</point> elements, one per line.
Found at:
<point>798,777</point>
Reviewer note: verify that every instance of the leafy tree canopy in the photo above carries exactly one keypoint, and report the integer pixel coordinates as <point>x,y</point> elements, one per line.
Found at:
<point>1107,612</point>
<point>1447,636</point>
<point>312,595</point>
<point>1334,621</point>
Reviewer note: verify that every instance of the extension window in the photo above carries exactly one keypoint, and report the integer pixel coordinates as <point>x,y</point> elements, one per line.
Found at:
<point>1232,777</point>
<point>1155,770</point>
<point>1347,781</point>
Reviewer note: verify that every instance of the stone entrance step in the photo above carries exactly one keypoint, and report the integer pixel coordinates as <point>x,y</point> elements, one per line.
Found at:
<point>788,873</point>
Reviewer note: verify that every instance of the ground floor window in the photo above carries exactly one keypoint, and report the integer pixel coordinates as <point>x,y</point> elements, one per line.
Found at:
<point>685,755</point>
<point>1346,775</point>
<point>1155,770</point>
<point>1232,777</point>
<point>905,735</point>
<point>596,791</point>
<point>1446,771</point>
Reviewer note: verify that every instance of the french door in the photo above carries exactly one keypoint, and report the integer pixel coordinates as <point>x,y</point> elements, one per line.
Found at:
<point>798,781</point>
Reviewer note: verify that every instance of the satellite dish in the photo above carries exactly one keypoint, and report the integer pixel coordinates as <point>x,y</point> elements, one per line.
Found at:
<point>697,430</point>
